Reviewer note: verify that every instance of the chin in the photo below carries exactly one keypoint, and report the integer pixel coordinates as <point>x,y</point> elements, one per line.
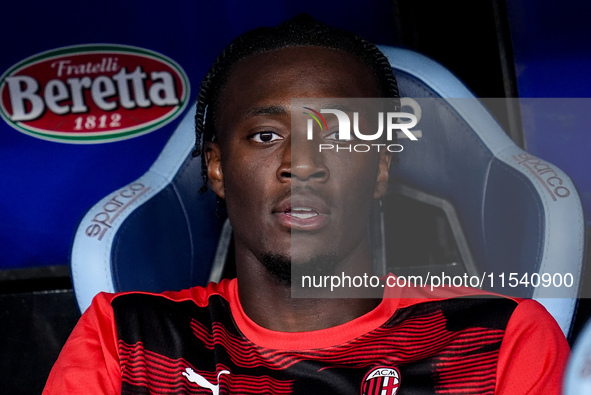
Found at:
<point>283,266</point>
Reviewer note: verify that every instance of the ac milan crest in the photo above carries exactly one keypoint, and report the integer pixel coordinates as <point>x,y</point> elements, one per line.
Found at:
<point>381,381</point>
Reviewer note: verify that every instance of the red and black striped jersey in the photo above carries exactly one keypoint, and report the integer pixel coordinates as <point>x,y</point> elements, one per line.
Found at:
<point>200,341</point>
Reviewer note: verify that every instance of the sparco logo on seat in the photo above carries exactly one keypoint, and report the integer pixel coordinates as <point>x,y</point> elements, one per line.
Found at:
<point>93,93</point>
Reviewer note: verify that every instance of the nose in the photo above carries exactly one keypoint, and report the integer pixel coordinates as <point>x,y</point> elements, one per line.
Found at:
<point>303,161</point>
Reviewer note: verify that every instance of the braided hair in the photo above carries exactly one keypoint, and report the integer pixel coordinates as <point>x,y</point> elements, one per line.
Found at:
<point>301,31</point>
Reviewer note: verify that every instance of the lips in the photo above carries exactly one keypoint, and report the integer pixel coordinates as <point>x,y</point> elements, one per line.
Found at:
<point>302,213</point>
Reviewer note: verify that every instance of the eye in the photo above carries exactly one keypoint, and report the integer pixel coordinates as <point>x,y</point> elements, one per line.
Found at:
<point>265,137</point>
<point>336,136</point>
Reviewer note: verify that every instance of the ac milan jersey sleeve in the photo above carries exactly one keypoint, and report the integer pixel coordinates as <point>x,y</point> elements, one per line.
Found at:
<point>89,362</point>
<point>199,341</point>
<point>534,353</point>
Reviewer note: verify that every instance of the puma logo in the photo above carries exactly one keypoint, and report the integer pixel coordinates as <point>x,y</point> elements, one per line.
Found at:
<point>202,382</point>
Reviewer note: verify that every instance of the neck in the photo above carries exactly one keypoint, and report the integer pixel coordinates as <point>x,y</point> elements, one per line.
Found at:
<point>269,302</point>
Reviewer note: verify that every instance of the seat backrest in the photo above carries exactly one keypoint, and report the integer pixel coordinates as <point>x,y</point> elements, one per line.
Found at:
<point>508,211</point>
<point>154,234</point>
<point>504,213</point>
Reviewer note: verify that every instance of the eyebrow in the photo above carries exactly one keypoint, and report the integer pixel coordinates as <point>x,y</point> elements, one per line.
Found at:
<point>266,110</point>
<point>336,106</point>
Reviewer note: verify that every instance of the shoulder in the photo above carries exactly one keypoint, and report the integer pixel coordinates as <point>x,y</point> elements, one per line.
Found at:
<point>462,303</point>
<point>199,295</point>
<point>112,311</point>
<point>475,307</point>
<point>533,351</point>
<point>144,307</point>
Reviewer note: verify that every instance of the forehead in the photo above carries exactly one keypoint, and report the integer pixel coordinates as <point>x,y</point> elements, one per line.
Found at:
<point>273,78</point>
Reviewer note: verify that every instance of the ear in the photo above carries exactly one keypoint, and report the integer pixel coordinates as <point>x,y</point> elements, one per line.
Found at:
<point>213,161</point>
<point>383,174</point>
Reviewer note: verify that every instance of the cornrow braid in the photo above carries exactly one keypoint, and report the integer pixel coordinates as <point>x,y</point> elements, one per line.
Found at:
<point>300,31</point>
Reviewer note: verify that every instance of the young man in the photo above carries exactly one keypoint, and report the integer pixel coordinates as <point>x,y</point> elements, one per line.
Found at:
<point>289,204</point>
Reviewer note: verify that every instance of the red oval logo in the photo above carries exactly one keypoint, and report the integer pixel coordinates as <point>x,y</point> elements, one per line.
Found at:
<point>95,93</point>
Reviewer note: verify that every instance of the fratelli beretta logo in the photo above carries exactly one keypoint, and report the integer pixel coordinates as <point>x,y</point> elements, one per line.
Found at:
<point>95,93</point>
